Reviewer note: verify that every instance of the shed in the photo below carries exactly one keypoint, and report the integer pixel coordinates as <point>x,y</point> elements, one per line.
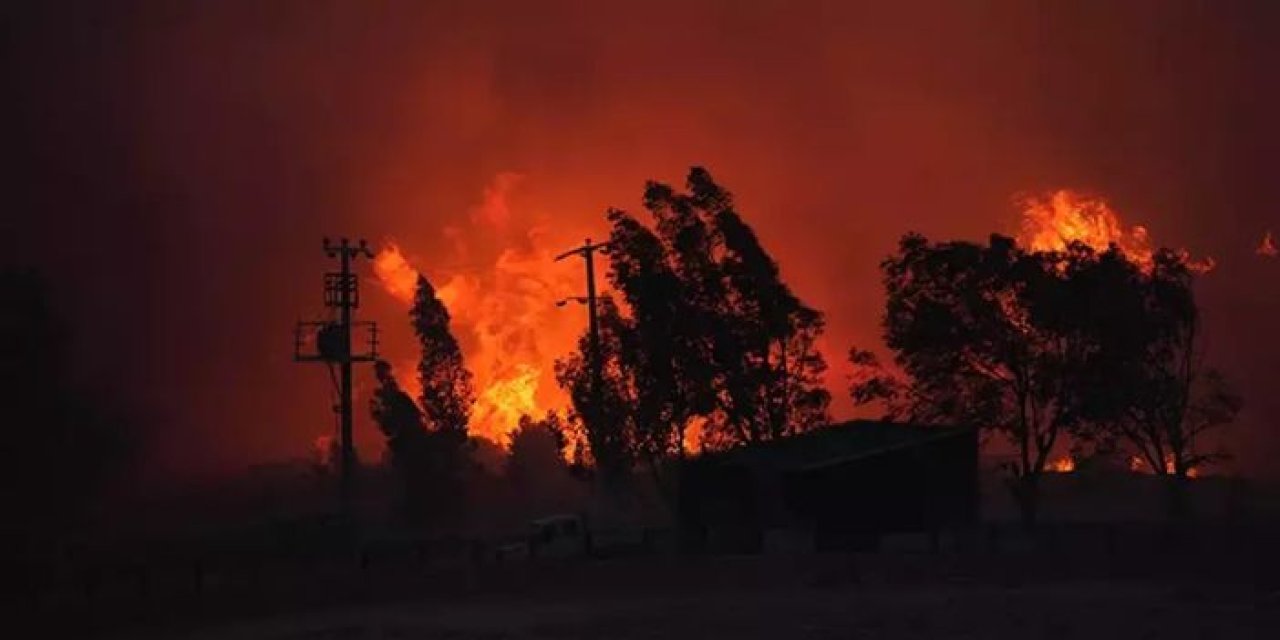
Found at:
<point>841,486</point>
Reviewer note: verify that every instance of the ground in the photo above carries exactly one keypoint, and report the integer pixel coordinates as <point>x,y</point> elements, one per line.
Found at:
<point>761,598</point>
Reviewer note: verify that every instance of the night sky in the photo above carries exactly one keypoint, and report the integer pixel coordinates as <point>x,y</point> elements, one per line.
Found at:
<point>173,168</point>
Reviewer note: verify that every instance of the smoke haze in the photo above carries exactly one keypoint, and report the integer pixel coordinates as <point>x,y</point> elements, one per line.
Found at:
<point>179,163</point>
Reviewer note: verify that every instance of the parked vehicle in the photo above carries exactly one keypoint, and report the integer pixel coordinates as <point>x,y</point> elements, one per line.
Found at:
<point>559,536</point>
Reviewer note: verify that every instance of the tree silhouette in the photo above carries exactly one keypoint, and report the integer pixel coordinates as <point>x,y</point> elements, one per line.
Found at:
<point>400,420</point>
<point>537,451</point>
<point>447,390</point>
<point>981,335</point>
<point>392,409</point>
<point>710,334</point>
<point>612,437</point>
<point>63,446</point>
<point>1037,344</point>
<point>447,397</point>
<point>1148,384</point>
<point>758,337</point>
<point>659,347</point>
<point>1151,381</point>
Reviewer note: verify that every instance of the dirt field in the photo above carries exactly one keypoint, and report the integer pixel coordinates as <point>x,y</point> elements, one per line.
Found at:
<point>746,598</point>
<point>1058,612</point>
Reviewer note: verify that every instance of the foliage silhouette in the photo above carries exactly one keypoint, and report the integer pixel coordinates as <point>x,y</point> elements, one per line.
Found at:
<point>447,389</point>
<point>536,464</point>
<point>980,337</point>
<point>611,441</point>
<point>427,441</point>
<point>1151,383</point>
<point>710,335</point>
<point>1149,386</point>
<point>1035,345</point>
<point>63,447</point>
<point>400,420</point>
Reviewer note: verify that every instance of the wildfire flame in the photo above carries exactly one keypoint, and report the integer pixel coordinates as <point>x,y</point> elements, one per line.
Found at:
<point>501,307</point>
<point>1054,221</point>
<point>1063,464</point>
<point>1138,464</point>
<point>394,272</point>
<point>1267,248</point>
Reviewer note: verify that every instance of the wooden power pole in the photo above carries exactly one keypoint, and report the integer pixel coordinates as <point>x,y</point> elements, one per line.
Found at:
<point>594,362</point>
<point>331,343</point>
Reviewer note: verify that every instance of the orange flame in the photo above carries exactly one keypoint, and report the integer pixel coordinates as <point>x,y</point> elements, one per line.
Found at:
<point>397,276</point>
<point>1054,221</point>
<point>1137,464</point>
<point>502,311</point>
<point>1063,464</point>
<point>1267,248</point>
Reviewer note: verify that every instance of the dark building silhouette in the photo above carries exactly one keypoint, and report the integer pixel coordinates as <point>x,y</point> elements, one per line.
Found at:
<point>840,487</point>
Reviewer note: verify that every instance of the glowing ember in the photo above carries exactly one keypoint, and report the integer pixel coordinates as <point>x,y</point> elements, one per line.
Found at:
<point>692,440</point>
<point>1052,222</point>
<point>1267,248</point>
<point>1064,464</point>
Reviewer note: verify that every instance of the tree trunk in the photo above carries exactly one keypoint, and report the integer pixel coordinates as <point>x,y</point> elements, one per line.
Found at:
<point>1026,494</point>
<point>1178,492</point>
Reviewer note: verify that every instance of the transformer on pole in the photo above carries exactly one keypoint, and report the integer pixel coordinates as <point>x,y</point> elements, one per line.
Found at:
<point>330,341</point>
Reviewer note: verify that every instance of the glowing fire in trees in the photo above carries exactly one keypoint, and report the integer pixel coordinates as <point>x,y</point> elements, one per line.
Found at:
<point>1138,464</point>
<point>502,303</point>
<point>1053,221</point>
<point>1064,464</point>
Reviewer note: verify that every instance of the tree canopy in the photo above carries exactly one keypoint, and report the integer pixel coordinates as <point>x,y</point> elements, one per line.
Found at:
<point>1035,345</point>
<point>706,332</point>
<point>65,446</point>
<point>447,389</point>
<point>427,439</point>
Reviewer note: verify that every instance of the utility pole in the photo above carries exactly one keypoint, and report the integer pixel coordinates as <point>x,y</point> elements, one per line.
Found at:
<point>588,251</point>
<point>332,344</point>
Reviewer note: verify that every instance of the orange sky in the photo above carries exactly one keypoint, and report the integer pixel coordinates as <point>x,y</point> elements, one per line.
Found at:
<point>201,152</point>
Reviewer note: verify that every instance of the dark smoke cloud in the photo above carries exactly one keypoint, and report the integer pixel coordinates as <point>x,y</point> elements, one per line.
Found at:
<point>180,161</point>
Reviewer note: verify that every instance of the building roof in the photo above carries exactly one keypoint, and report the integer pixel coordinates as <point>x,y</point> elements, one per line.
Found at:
<point>832,444</point>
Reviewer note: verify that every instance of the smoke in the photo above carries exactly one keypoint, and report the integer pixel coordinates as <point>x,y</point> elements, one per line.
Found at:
<point>397,277</point>
<point>180,164</point>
